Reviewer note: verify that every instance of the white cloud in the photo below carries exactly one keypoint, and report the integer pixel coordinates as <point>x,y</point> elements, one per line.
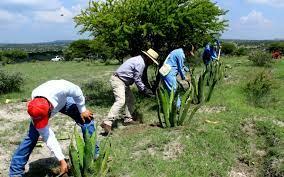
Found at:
<point>255,18</point>
<point>275,3</point>
<point>252,26</point>
<point>7,18</point>
<point>38,4</point>
<point>60,15</point>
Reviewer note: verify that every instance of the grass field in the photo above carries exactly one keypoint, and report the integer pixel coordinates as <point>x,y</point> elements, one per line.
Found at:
<point>227,137</point>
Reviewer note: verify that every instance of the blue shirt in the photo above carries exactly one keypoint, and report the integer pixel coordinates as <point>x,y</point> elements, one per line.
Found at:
<point>209,54</point>
<point>131,71</point>
<point>176,60</point>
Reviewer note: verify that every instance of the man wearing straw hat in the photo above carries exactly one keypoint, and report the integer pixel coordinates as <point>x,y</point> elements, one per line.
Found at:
<point>128,73</point>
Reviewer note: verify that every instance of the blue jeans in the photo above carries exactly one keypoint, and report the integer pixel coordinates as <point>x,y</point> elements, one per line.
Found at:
<point>22,154</point>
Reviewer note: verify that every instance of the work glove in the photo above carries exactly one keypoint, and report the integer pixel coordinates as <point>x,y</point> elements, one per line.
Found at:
<point>87,116</point>
<point>148,93</point>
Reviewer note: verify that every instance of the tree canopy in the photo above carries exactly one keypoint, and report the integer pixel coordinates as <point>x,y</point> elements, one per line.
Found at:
<point>129,26</point>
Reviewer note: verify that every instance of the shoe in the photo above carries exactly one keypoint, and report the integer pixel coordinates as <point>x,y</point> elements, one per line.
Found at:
<point>106,125</point>
<point>129,121</point>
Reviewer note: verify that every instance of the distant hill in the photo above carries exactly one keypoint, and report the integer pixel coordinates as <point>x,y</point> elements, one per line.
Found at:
<point>57,45</point>
<point>52,43</point>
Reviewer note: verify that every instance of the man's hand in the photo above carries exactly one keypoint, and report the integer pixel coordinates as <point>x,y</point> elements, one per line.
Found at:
<point>188,78</point>
<point>87,115</point>
<point>63,167</point>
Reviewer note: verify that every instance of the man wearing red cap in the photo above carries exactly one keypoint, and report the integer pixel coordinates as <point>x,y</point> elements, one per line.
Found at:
<point>48,99</point>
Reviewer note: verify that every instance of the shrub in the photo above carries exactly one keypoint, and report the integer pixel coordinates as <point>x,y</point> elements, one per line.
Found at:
<point>241,51</point>
<point>10,82</point>
<point>228,48</point>
<point>276,46</point>
<point>12,56</point>
<point>259,88</point>
<point>260,58</point>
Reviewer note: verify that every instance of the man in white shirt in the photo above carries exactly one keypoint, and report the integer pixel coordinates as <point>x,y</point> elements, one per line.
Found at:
<point>48,99</point>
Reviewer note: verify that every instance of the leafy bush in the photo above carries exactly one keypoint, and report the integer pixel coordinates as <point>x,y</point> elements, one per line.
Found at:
<point>260,58</point>
<point>10,82</point>
<point>276,46</point>
<point>81,152</point>
<point>259,88</point>
<point>228,48</point>
<point>241,51</point>
<point>12,56</point>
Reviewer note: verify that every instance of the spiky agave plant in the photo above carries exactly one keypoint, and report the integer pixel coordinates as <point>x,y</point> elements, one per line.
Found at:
<point>215,72</point>
<point>198,93</point>
<point>82,155</point>
<point>168,113</point>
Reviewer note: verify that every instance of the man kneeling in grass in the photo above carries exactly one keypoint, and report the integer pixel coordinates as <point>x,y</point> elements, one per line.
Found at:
<point>128,73</point>
<point>48,99</point>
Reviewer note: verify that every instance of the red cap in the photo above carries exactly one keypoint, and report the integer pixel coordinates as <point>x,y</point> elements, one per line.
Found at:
<point>38,109</point>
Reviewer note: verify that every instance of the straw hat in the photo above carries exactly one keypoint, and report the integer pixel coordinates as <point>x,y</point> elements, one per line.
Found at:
<point>192,50</point>
<point>153,55</point>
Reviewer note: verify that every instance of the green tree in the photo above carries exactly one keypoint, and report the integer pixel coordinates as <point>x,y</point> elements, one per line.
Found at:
<point>78,49</point>
<point>128,26</point>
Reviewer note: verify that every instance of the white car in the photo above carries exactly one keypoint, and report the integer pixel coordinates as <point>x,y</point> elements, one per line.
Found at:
<point>57,58</point>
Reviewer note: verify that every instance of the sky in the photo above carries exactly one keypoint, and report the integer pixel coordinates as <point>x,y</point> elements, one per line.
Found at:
<point>30,21</point>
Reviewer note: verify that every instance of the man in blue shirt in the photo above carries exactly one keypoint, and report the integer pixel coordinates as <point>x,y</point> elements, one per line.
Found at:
<point>175,64</point>
<point>129,72</point>
<point>210,52</point>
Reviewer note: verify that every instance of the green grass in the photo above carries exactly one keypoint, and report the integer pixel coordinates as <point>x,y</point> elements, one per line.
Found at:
<point>199,148</point>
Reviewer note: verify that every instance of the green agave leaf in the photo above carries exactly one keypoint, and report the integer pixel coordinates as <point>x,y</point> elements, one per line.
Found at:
<point>80,145</point>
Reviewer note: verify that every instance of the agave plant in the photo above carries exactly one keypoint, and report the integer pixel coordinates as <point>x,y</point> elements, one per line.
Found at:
<point>82,155</point>
<point>199,92</point>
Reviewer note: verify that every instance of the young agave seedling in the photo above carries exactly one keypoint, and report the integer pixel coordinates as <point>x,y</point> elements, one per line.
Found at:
<point>82,156</point>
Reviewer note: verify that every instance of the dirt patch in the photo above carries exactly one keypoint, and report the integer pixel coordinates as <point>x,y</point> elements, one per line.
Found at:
<point>241,170</point>
<point>172,150</point>
<point>214,109</point>
<point>15,112</point>
<point>249,128</point>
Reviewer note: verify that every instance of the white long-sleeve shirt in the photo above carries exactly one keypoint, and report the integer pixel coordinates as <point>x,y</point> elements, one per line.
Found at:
<point>56,92</point>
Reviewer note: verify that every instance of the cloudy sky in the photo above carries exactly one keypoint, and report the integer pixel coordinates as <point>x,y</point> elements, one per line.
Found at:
<point>26,21</point>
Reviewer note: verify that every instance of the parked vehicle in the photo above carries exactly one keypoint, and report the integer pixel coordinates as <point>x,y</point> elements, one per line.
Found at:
<point>57,58</point>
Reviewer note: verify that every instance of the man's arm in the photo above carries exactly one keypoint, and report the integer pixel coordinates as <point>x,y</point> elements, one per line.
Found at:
<point>49,138</point>
<point>76,93</point>
<point>180,60</point>
<point>138,71</point>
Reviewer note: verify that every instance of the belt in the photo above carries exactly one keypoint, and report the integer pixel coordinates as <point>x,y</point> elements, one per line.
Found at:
<point>116,75</point>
